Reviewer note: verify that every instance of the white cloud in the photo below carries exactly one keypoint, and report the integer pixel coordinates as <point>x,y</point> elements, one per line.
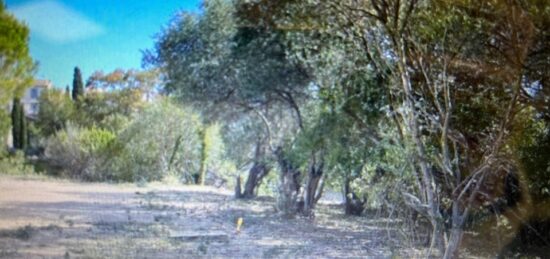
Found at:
<point>56,22</point>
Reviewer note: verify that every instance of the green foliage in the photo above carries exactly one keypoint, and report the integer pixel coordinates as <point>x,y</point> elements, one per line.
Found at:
<point>118,138</point>
<point>214,145</point>
<point>96,140</point>
<point>212,150</point>
<point>387,171</point>
<point>82,153</point>
<point>108,110</point>
<point>532,146</point>
<point>56,110</point>
<point>15,164</point>
<point>161,140</point>
<point>213,58</point>
<point>78,84</point>
<point>96,111</point>
<point>16,65</point>
<point>241,135</point>
<point>194,48</point>
<point>5,123</point>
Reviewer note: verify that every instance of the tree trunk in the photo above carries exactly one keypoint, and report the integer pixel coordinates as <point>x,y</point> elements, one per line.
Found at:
<point>289,185</point>
<point>255,175</point>
<point>258,171</point>
<point>437,238</point>
<point>238,192</point>
<point>353,206</point>
<point>289,191</point>
<point>315,175</point>
<point>457,229</point>
<point>451,251</point>
<point>411,119</point>
<point>320,190</point>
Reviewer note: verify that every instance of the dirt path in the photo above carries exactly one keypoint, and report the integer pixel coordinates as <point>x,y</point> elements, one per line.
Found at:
<point>56,219</point>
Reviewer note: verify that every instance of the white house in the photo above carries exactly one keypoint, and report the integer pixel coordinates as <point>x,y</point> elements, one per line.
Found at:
<point>30,100</point>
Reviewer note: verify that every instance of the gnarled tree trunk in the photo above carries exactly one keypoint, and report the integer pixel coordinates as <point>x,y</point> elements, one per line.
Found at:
<point>258,171</point>
<point>313,188</point>
<point>256,174</point>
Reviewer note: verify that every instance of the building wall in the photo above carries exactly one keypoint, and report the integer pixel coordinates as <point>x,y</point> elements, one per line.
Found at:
<point>9,139</point>
<point>30,100</point>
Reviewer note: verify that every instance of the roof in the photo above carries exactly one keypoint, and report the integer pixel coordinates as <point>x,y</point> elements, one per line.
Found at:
<point>42,83</point>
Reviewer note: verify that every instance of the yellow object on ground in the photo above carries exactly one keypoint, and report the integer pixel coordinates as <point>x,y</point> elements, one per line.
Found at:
<point>239,223</point>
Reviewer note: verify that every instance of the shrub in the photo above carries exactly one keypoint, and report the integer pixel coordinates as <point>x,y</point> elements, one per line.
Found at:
<point>82,153</point>
<point>15,164</point>
<point>5,124</point>
<point>56,109</point>
<point>106,109</point>
<point>161,140</point>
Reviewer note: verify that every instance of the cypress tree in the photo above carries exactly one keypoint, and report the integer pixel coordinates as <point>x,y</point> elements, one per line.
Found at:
<point>24,129</point>
<point>16,123</point>
<point>78,85</point>
<point>20,132</point>
<point>68,90</point>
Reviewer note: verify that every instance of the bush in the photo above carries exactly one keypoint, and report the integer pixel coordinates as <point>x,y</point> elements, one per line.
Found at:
<point>56,109</point>
<point>108,109</point>
<point>15,164</point>
<point>82,153</point>
<point>5,124</point>
<point>162,140</point>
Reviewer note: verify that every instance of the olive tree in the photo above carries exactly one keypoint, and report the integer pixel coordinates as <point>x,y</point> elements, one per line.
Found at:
<point>220,60</point>
<point>435,88</point>
<point>455,80</point>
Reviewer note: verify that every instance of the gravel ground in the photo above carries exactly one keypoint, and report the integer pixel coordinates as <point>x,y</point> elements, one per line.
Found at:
<point>44,218</point>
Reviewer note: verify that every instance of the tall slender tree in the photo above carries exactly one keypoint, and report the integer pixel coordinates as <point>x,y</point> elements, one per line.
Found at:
<point>78,85</point>
<point>16,123</point>
<point>24,129</point>
<point>19,127</point>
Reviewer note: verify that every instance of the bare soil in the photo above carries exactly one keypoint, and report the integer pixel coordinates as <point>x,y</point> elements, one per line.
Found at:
<point>44,218</point>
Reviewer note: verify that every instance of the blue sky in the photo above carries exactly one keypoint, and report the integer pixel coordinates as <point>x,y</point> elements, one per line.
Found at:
<point>92,34</point>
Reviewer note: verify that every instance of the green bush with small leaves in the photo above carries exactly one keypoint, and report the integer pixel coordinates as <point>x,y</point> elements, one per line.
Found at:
<point>81,153</point>
<point>15,164</point>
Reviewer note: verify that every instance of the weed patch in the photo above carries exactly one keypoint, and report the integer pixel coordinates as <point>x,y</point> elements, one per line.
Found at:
<point>27,232</point>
